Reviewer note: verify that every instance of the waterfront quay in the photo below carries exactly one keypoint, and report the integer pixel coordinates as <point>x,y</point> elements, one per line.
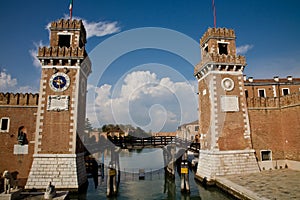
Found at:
<point>270,184</point>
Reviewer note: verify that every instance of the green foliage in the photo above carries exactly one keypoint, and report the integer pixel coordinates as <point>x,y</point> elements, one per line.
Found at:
<point>121,128</point>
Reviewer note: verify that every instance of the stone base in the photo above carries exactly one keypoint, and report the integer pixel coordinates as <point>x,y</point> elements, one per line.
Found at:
<point>14,194</point>
<point>65,171</point>
<point>220,163</point>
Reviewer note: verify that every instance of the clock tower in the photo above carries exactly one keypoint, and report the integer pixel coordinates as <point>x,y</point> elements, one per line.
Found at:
<point>59,153</point>
<point>226,146</point>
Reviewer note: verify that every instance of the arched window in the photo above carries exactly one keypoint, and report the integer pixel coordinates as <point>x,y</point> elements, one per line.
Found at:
<point>22,137</point>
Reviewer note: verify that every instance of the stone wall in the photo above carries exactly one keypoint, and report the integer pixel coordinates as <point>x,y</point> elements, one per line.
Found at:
<point>65,171</point>
<point>220,163</point>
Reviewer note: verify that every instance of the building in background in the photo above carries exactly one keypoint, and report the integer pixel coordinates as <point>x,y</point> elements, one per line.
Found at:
<point>189,131</point>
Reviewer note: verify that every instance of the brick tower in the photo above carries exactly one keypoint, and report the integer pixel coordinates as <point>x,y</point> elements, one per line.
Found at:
<point>226,146</point>
<point>58,155</point>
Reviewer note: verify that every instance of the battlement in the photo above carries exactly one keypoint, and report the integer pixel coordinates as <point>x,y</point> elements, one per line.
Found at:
<point>27,99</point>
<point>274,102</point>
<point>62,52</point>
<point>217,33</point>
<point>67,24</point>
<point>222,62</point>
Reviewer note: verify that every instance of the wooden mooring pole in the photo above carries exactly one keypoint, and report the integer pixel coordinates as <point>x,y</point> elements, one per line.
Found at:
<point>184,174</point>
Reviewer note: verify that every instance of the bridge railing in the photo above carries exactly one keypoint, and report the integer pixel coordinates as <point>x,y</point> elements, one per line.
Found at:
<point>154,141</point>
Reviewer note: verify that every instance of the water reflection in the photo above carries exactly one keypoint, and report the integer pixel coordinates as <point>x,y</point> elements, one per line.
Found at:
<point>155,185</point>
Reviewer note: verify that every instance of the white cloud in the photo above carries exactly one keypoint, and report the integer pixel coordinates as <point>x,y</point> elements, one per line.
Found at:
<point>144,100</point>
<point>9,84</point>
<point>6,81</point>
<point>98,29</point>
<point>27,89</point>
<point>244,49</point>
<point>33,53</point>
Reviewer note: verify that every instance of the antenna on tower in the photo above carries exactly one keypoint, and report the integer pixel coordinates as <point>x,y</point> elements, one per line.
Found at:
<point>71,9</point>
<point>214,13</point>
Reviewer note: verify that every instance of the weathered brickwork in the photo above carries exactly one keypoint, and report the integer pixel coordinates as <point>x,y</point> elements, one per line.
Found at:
<point>55,132</point>
<point>275,126</point>
<point>226,146</point>
<point>21,110</point>
<point>261,117</point>
<point>18,99</point>
<point>53,135</point>
<point>58,130</point>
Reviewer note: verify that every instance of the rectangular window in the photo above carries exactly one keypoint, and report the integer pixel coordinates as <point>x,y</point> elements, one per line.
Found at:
<point>261,93</point>
<point>285,91</point>
<point>266,155</point>
<point>246,93</point>
<point>196,128</point>
<point>64,40</point>
<point>4,124</point>
<point>222,48</point>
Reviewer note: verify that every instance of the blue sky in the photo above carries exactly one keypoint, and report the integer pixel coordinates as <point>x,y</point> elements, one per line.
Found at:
<point>267,34</point>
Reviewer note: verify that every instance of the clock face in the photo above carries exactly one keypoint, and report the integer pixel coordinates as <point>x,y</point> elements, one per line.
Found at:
<point>59,82</point>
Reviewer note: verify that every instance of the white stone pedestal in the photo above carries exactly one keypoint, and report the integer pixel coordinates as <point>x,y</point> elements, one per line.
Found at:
<point>14,194</point>
<point>214,163</point>
<point>65,171</point>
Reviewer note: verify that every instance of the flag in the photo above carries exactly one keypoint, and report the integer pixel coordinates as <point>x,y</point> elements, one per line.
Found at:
<point>214,12</point>
<point>71,9</point>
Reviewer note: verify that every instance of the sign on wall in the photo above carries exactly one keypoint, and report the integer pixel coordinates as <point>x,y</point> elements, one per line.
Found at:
<point>58,102</point>
<point>20,149</point>
<point>229,103</point>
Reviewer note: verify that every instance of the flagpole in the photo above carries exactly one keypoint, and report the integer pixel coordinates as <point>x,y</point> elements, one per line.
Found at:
<point>214,13</point>
<point>71,9</point>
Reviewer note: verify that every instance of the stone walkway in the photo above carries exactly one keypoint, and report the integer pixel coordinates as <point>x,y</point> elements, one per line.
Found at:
<point>273,184</point>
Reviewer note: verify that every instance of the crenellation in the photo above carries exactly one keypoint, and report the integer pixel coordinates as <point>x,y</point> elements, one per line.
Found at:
<point>273,102</point>
<point>217,33</point>
<point>19,99</point>
<point>4,98</point>
<point>66,24</point>
<point>56,53</point>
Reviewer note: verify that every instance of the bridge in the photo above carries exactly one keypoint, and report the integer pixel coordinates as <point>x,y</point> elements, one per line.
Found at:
<point>174,152</point>
<point>130,142</point>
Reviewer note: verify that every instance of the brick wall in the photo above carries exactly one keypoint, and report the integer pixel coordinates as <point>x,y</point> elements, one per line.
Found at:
<point>276,126</point>
<point>19,116</point>
<point>55,126</point>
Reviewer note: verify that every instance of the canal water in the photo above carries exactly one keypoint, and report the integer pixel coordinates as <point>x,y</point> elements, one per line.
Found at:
<point>155,185</point>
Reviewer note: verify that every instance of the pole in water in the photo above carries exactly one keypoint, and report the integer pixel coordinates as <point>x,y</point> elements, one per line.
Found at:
<point>111,180</point>
<point>184,174</point>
